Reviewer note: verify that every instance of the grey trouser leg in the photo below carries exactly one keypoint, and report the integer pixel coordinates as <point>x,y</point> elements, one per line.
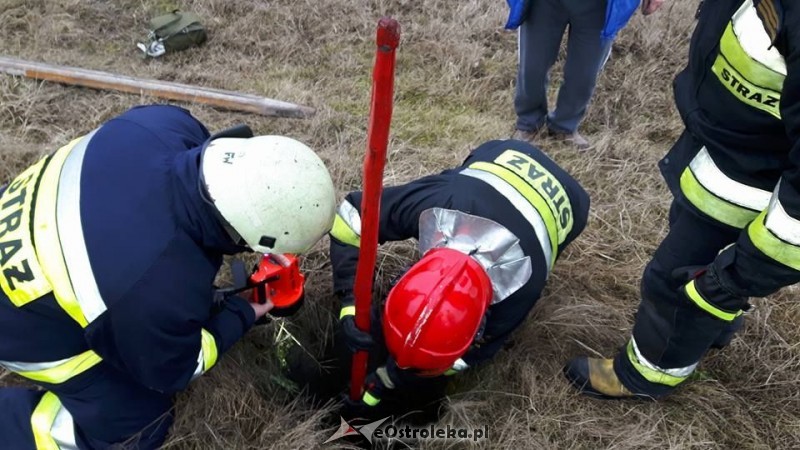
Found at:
<point>586,54</point>
<point>539,40</point>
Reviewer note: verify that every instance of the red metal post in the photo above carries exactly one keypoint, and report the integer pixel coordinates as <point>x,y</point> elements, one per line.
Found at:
<point>380,118</point>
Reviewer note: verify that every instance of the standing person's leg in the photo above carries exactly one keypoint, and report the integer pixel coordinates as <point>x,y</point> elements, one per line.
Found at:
<point>539,40</point>
<point>586,54</point>
<point>670,333</point>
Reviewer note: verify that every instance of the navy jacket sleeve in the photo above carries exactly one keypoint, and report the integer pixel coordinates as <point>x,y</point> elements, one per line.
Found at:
<point>155,332</point>
<point>401,207</point>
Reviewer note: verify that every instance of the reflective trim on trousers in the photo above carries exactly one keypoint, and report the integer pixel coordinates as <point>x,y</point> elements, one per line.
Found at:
<point>653,373</point>
<point>52,425</point>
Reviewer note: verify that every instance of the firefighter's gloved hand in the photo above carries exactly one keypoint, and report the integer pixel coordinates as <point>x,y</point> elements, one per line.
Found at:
<point>385,379</point>
<point>352,409</point>
<point>354,338</point>
<point>706,288</point>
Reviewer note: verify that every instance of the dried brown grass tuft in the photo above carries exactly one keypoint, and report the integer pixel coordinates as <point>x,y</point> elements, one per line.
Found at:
<point>455,80</point>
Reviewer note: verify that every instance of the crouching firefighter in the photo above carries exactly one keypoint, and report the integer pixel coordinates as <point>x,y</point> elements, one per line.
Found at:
<point>735,219</point>
<point>489,233</point>
<point>109,248</point>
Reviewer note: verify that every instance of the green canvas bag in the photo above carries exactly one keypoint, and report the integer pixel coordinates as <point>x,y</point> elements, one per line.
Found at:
<point>173,32</point>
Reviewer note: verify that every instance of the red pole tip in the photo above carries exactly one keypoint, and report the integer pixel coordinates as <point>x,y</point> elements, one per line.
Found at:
<point>388,33</point>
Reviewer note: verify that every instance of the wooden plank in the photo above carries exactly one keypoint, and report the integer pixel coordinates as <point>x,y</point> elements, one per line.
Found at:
<point>230,100</point>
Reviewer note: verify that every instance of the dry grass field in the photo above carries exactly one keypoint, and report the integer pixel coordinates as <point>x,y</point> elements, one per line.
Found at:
<point>454,87</point>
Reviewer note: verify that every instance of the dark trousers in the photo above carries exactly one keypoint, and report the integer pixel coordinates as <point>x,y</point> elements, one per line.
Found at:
<point>106,407</point>
<point>670,331</point>
<point>539,41</point>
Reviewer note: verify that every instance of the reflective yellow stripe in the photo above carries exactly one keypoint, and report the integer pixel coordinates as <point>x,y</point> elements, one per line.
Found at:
<point>545,184</point>
<point>48,244</point>
<point>347,311</point>
<point>21,277</point>
<point>370,399</point>
<point>760,98</point>
<point>42,420</point>
<point>63,372</point>
<point>717,208</point>
<point>530,194</point>
<point>652,375</point>
<point>770,245</point>
<point>343,233</point>
<point>209,348</point>
<point>523,207</point>
<point>748,65</point>
<point>694,296</point>
<point>749,68</point>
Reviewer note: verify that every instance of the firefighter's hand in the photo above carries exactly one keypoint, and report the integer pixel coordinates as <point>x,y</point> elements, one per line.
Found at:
<point>651,6</point>
<point>352,409</point>
<point>355,339</point>
<point>261,309</point>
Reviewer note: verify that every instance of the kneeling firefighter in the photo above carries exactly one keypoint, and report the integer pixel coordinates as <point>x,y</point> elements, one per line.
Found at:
<point>489,233</point>
<point>109,249</point>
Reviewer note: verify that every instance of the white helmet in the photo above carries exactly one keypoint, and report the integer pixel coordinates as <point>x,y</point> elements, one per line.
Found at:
<point>274,191</point>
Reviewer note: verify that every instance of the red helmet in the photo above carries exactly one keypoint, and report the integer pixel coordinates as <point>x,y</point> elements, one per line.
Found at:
<point>433,313</point>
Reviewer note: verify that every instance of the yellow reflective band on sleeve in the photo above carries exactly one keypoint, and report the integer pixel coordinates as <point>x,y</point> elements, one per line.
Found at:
<point>715,207</point>
<point>343,233</point>
<point>42,420</point>
<point>48,245</point>
<point>783,252</point>
<point>750,69</point>
<point>531,195</point>
<point>694,296</point>
<point>347,311</point>
<point>21,277</point>
<point>209,347</point>
<point>63,372</point>
<point>652,375</point>
<point>760,98</point>
<point>547,185</point>
<point>370,399</point>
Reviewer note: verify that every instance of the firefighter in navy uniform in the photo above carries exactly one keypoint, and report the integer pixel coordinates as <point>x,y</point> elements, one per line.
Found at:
<point>109,248</point>
<point>489,233</point>
<point>734,222</point>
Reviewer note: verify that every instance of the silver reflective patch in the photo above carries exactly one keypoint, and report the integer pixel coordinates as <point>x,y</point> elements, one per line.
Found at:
<point>492,245</point>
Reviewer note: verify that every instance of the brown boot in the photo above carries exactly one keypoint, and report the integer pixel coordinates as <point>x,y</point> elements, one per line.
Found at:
<point>595,377</point>
<point>526,136</point>
<point>574,138</point>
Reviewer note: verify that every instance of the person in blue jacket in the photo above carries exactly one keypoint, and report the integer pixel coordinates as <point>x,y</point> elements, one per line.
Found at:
<point>108,251</point>
<point>592,28</point>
